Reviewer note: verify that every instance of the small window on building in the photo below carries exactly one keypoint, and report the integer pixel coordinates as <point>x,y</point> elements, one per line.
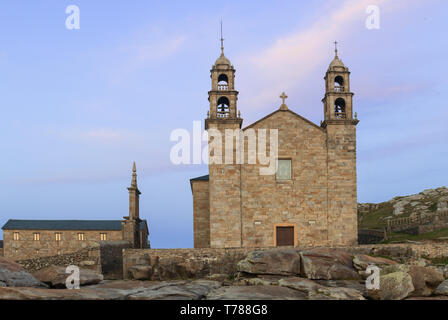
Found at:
<point>81,236</point>
<point>103,236</point>
<point>58,236</point>
<point>36,236</point>
<point>283,169</point>
<point>16,236</point>
<point>59,252</point>
<point>16,251</point>
<point>37,251</point>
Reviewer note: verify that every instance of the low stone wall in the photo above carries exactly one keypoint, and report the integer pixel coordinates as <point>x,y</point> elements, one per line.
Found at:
<point>369,236</point>
<point>161,264</point>
<point>164,264</point>
<point>85,258</point>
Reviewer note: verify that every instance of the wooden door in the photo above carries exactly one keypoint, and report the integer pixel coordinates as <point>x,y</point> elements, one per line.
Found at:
<point>285,236</point>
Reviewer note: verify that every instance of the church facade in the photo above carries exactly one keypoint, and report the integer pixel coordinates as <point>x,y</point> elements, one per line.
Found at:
<point>310,200</point>
<point>27,239</point>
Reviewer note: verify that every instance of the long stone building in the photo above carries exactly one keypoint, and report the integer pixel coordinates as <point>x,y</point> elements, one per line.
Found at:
<point>26,239</point>
<point>311,198</point>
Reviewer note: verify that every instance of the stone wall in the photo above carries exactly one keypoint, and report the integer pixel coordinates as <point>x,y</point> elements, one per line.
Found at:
<point>368,236</point>
<point>27,248</point>
<point>164,264</point>
<point>201,214</point>
<point>319,201</point>
<point>300,202</point>
<point>85,258</point>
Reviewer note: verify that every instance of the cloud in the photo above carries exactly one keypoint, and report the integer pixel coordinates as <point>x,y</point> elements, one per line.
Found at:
<point>289,63</point>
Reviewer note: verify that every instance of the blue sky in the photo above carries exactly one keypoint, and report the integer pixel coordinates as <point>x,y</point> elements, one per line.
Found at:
<point>78,106</point>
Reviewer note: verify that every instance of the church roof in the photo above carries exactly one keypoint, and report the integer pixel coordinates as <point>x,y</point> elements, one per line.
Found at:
<point>106,225</point>
<point>283,110</point>
<point>201,178</point>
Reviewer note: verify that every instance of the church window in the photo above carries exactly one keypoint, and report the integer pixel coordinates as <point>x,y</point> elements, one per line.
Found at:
<point>81,236</point>
<point>103,236</point>
<point>37,251</point>
<point>339,84</point>
<point>223,82</point>
<point>36,236</point>
<point>223,107</point>
<point>339,108</point>
<point>284,169</point>
<point>16,236</point>
<point>59,252</point>
<point>58,236</point>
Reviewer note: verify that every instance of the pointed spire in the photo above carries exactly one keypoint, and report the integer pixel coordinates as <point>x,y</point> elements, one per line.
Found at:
<point>222,41</point>
<point>336,49</point>
<point>134,176</point>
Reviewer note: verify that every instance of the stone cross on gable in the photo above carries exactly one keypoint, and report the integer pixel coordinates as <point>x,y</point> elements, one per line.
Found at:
<point>283,97</point>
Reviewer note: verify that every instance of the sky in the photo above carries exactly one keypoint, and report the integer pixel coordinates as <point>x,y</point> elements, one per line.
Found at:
<point>78,106</point>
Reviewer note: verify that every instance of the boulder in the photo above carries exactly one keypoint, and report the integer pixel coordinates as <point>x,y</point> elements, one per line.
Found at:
<point>327,264</point>
<point>256,293</point>
<point>442,289</point>
<point>275,262</point>
<point>12,274</point>
<point>362,261</point>
<point>56,277</point>
<point>393,286</point>
<point>424,279</point>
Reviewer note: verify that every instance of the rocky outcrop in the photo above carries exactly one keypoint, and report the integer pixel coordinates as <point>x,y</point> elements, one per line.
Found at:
<point>276,262</point>
<point>55,276</point>
<point>118,290</point>
<point>256,293</point>
<point>328,264</point>
<point>13,275</point>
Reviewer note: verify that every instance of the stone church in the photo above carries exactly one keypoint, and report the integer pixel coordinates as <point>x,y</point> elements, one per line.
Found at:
<point>311,200</point>
<point>27,239</point>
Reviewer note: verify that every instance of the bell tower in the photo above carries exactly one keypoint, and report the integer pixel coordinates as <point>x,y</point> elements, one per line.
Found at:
<point>338,100</point>
<point>223,96</point>
<point>340,125</point>
<point>225,174</point>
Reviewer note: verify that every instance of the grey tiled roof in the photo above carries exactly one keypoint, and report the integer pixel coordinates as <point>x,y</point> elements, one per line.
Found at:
<point>201,178</point>
<point>109,225</point>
